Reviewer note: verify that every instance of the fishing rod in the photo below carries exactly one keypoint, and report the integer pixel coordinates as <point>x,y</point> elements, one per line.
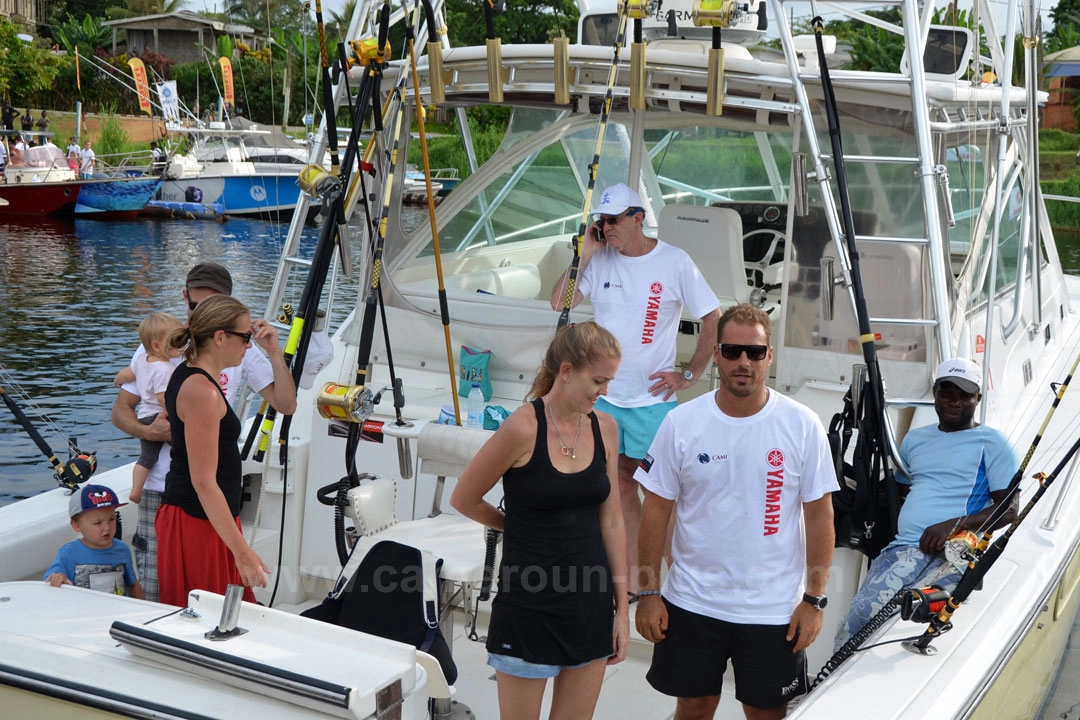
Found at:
<point>79,466</point>
<point>332,236</point>
<point>444,308</point>
<point>640,8</point>
<point>941,622</point>
<point>874,439</point>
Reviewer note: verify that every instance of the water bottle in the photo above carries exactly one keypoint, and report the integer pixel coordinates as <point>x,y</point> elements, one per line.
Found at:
<point>475,407</point>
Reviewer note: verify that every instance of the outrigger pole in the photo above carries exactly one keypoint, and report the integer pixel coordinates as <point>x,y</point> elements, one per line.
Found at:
<point>626,7</point>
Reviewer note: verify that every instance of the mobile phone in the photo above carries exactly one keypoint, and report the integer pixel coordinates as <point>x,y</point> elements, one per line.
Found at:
<point>600,232</point>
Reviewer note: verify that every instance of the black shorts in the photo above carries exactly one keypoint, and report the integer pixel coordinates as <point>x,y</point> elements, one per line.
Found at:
<point>692,659</point>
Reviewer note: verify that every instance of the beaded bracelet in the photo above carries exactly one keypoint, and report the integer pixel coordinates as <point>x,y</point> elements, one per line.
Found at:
<point>643,593</point>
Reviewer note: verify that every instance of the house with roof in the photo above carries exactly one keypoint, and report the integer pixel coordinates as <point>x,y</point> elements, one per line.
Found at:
<point>181,35</point>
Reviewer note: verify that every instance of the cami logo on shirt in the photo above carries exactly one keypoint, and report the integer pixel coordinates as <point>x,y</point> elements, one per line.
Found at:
<point>612,285</point>
<point>706,458</point>
<point>774,485</point>
<point>652,312</point>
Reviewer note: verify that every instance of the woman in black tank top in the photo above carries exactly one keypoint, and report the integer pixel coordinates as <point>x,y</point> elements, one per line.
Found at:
<point>200,545</point>
<point>561,607</point>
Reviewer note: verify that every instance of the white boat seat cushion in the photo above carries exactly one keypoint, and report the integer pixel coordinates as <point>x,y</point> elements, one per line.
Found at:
<point>713,238</point>
<point>443,451</point>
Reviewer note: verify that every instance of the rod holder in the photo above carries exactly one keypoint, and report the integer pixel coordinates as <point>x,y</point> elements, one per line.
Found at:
<point>230,614</point>
<point>714,99</point>
<point>828,282</point>
<point>561,60</point>
<point>858,377</point>
<point>800,193</point>
<point>436,73</point>
<point>495,70</point>
<point>637,76</point>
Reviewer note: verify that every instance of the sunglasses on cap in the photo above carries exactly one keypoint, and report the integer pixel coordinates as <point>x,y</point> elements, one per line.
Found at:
<point>731,351</point>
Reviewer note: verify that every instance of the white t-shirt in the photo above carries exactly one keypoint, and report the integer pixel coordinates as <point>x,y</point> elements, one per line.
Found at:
<point>640,300</point>
<point>256,371</point>
<point>151,378</point>
<point>739,549</point>
<point>73,150</point>
<point>87,163</point>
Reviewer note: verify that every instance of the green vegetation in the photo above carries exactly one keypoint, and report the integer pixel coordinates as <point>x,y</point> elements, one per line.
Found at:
<point>113,140</point>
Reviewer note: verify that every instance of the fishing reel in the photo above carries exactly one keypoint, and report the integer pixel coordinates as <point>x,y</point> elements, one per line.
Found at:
<point>717,13</point>
<point>921,605</point>
<point>351,403</point>
<point>78,469</point>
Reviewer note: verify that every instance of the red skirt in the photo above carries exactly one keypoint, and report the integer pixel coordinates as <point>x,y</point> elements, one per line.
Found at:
<point>192,556</point>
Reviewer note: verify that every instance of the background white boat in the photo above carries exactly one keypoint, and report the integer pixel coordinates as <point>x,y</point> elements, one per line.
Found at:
<point>250,170</point>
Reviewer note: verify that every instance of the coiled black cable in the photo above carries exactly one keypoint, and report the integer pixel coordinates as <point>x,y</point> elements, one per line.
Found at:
<point>855,641</point>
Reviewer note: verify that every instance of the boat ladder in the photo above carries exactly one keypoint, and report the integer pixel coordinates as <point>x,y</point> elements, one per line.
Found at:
<point>932,177</point>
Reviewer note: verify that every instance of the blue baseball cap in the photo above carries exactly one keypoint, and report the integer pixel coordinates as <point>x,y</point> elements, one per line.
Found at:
<point>92,497</point>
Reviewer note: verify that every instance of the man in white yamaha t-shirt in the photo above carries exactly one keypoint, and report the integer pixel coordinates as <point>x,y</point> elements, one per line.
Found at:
<point>753,476</point>
<point>638,287</point>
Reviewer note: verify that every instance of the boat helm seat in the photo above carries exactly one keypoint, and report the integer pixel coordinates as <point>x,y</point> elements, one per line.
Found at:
<point>712,236</point>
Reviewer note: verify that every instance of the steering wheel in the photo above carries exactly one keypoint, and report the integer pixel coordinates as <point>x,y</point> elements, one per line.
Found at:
<point>755,274</point>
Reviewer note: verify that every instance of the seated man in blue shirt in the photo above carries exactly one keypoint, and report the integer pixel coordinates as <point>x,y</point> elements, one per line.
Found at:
<point>960,472</point>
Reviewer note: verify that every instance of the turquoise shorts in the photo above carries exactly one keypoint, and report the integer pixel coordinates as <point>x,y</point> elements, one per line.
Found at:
<point>637,426</point>
<point>525,669</point>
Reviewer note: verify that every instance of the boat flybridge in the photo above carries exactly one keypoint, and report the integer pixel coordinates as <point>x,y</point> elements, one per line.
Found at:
<point>901,207</point>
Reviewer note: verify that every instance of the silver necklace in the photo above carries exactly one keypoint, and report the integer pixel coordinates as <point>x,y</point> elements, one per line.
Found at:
<point>567,451</point>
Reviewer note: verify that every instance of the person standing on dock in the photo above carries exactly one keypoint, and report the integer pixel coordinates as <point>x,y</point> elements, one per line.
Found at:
<point>960,474</point>
<point>86,161</point>
<point>638,286</point>
<point>753,478</point>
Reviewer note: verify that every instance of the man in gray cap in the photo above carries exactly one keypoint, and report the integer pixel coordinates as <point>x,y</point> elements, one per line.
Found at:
<point>638,286</point>
<point>266,374</point>
<point>960,474</point>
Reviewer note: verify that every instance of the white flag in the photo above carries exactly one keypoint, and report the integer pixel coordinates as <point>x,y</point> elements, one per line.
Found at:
<point>170,102</point>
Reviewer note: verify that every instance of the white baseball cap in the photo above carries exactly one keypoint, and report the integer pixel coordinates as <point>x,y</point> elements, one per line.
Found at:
<point>961,372</point>
<point>618,199</point>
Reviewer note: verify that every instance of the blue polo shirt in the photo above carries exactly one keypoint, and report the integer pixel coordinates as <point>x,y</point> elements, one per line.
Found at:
<point>953,475</point>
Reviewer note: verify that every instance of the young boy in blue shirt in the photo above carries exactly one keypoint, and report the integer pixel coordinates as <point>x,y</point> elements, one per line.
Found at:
<point>97,560</point>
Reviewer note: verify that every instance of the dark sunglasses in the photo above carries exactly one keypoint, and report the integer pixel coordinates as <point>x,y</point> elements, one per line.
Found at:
<point>614,219</point>
<point>730,351</point>
<point>192,304</point>
<point>246,337</point>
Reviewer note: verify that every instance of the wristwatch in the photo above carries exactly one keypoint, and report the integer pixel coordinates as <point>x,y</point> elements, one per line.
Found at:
<point>818,601</point>
<point>689,375</point>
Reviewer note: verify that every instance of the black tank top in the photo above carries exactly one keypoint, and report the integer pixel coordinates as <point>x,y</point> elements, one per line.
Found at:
<point>555,602</point>
<point>178,488</point>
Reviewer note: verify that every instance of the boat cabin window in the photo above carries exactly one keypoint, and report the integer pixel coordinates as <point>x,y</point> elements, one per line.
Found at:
<point>525,214</point>
<point>600,29</point>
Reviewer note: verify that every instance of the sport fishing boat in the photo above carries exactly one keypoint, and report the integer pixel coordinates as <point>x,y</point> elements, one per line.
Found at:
<point>249,170</point>
<point>886,221</point>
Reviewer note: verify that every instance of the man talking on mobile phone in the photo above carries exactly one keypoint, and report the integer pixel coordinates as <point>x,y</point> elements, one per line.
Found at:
<point>638,287</point>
